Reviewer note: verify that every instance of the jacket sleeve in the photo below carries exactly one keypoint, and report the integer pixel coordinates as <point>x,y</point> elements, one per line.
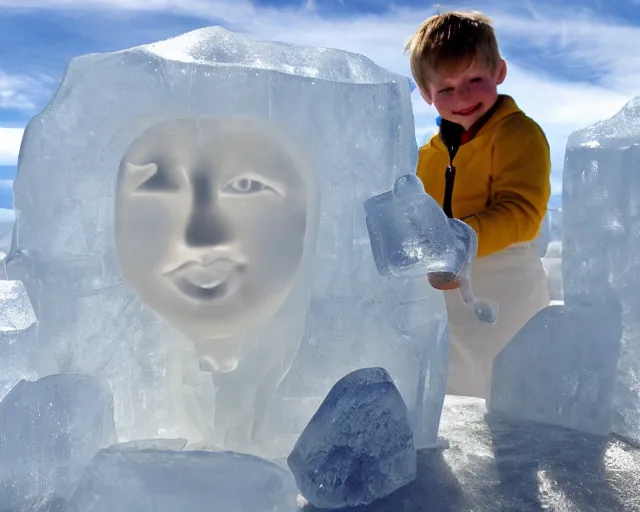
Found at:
<point>520,188</point>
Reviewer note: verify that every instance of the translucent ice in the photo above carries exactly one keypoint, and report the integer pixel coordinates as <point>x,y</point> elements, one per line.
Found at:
<point>157,480</point>
<point>50,429</point>
<point>601,240</point>
<point>197,202</point>
<point>19,355</point>
<point>358,447</point>
<point>412,237</point>
<point>16,313</point>
<point>560,368</point>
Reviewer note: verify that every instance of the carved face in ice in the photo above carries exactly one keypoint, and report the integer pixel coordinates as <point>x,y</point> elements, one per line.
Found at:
<point>210,226</point>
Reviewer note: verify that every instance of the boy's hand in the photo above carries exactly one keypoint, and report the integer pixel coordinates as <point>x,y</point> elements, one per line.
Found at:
<point>443,281</point>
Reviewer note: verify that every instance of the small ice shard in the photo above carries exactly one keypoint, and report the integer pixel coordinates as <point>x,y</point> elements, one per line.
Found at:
<point>157,480</point>
<point>411,237</point>
<point>358,447</point>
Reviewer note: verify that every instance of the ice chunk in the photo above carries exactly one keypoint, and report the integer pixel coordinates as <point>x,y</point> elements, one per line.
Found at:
<point>19,355</point>
<point>601,240</point>
<point>51,428</point>
<point>16,313</point>
<point>560,368</point>
<point>155,480</point>
<point>412,237</point>
<point>190,196</point>
<point>358,447</point>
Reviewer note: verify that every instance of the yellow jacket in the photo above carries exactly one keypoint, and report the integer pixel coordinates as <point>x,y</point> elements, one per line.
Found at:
<point>501,187</point>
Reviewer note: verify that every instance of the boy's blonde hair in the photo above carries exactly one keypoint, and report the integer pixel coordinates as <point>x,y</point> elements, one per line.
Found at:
<point>449,42</point>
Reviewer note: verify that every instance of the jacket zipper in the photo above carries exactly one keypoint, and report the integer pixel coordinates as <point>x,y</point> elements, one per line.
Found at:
<point>449,177</point>
<point>452,139</point>
<point>452,143</point>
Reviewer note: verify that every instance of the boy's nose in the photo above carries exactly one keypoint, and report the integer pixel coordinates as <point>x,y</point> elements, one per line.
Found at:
<point>463,92</point>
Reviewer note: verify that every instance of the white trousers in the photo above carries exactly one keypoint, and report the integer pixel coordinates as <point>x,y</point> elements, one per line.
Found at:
<point>516,280</point>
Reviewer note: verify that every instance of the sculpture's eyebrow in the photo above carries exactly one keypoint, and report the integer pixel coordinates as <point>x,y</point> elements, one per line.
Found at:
<point>153,178</point>
<point>136,174</point>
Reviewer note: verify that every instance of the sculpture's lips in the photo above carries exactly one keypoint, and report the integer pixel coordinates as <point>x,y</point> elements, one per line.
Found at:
<point>468,111</point>
<point>217,279</point>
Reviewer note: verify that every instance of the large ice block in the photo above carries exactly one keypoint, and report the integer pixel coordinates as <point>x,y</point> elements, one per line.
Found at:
<point>126,478</point>
<point>50,429</point>
<point>412,237</point>
<point>370,319</point>
<point>560,368</point>
<point>601,240</point>
<point>358,447</point>
<point>197,201</point>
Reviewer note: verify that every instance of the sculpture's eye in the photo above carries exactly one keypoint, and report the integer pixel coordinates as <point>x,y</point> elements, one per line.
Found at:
<point>248,186</point>
<point>149,178</point>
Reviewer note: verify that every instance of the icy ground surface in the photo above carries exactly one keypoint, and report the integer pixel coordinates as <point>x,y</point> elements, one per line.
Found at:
<point>494,464</point>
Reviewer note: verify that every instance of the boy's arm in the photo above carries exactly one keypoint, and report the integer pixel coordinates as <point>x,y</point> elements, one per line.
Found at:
<point>520,189</point>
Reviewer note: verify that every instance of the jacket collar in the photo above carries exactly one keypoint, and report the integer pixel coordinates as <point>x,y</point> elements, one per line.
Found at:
<point>451,133</point>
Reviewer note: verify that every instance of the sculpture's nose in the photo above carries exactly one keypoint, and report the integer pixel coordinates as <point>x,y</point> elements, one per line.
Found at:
<point>208,225</point>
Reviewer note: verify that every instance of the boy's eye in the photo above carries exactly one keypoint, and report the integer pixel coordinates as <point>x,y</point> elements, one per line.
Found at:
<point>445,90</point>
<point>476,80</point>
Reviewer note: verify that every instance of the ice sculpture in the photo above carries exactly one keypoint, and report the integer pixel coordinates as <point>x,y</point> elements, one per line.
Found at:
<point>196,203</point>
<point>589,379</point>
<point>51,428</point>
<point>210,228</point>
<point>412,237</point>
<point>358,447</point>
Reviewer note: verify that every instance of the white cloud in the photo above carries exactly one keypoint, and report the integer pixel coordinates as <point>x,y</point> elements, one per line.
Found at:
<point>21,92</point>
<point>7,218</point>
<point>558,105</point>
<point>10,139</point>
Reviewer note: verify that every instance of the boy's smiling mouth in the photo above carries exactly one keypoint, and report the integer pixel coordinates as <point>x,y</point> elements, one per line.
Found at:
<point>469,111</point>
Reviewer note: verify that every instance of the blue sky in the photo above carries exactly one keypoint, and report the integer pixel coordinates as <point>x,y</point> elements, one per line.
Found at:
<point>570,63</point>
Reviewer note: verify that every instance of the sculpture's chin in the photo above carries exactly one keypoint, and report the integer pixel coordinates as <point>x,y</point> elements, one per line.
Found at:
<point>218,355</point>
<point>211,365</point>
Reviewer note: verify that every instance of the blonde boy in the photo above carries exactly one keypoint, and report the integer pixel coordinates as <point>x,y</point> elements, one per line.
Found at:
<point>489,166</point>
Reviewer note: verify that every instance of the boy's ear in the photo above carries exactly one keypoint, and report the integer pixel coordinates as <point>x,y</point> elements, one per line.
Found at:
<point>502,72</point>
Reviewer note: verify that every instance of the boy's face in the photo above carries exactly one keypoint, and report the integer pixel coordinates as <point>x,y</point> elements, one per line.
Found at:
<point>466,95</point>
